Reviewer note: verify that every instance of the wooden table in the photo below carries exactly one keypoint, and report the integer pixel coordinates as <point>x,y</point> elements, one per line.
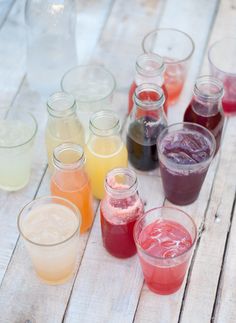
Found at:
<point>106,289</point>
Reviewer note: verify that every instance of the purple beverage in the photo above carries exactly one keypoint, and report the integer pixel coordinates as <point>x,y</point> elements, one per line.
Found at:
<point>185,152</point>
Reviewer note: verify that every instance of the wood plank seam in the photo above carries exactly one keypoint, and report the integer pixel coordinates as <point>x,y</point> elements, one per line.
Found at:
<point>7,14</point>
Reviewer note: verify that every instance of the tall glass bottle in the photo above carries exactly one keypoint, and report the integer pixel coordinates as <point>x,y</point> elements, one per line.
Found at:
<point>105,149</point>
<point>149,68</point>
<point>63,123</point>
<point>146,121</point>
<point>51,49</point>
<point>206,106</point>
<point>71,182</point>
<point>119,209</point>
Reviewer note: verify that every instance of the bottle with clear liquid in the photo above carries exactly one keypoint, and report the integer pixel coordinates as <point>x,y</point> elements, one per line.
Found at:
<point>63,123</point>
<point>51,46</point>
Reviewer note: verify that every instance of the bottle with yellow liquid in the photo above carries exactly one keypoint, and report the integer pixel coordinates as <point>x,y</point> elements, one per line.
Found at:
<point>105,149</point>
<point>63,123</point>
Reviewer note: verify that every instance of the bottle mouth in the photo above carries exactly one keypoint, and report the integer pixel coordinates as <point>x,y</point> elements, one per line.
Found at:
<point>208,88</point>
<point>61,104</point>
<point>68,156</point>
<point>150,64</point>
<point>121,182</point>
<point>104,123</point>
<point>149,96</point>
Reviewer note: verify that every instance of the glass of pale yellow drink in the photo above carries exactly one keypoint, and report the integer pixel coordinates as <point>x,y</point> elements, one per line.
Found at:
<point>50,228</point>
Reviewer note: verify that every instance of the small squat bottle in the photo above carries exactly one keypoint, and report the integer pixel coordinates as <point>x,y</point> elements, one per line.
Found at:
<point>146,121</point>
<point>119,210</point>
<point>149,68</point>
<point>105,149</point>
<point>63,123</point>
<point>71,182</point>
<point>206,106</point>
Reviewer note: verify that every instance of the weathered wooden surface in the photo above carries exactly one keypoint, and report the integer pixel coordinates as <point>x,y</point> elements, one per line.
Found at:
<point>106,289</point>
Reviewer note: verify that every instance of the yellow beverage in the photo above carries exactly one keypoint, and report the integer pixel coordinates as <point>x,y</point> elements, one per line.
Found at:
<point>102,155</point>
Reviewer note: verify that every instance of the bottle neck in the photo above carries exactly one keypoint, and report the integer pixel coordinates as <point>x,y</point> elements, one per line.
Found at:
<point>61,105</point>
<point>104,123</point>
<point>68,157</point>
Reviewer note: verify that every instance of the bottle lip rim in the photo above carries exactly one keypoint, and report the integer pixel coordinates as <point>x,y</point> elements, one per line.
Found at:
<point>105,132</point>
<point>56,96</point>
<point>209,79</point>
<point>78,163</point>
<point>150,105</point>
<point>131,189</point>
<point>150,57</point>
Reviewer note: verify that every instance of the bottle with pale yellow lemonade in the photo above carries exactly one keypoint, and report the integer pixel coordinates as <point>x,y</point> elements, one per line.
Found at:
<point>63,123</point>
<point>105,149</point>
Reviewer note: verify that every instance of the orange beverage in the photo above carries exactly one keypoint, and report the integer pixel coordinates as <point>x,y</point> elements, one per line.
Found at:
<point>71,182</point>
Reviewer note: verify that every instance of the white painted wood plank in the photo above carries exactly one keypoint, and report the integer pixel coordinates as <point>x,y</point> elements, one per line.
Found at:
<point>5,7</point>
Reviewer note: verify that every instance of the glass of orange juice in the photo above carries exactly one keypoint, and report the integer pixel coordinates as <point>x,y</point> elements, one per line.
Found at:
<point>50,229</point>
<point>70,180</point>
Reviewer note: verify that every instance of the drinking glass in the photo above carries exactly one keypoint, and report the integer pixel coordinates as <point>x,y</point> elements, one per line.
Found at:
<point>50,228</point>
<point>176,47</point>
<point>164,238</point>
<point>17,136</point>
<point>221,57</point>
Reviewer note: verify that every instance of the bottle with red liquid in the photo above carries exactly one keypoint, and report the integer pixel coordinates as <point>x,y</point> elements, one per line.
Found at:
<point>119,210</point>
<point>149,68</point>
<point>206,106</point>
<point>146,122</point>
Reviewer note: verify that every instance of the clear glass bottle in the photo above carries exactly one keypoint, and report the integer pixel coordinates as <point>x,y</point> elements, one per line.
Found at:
<point>206,106</point>
<point>149,68</point>
<point>63,123</point>
<point>146,121</point>
<point>105,149</point>
<point>71,182</point>
<point>51,49</point>
<point>119,210</point>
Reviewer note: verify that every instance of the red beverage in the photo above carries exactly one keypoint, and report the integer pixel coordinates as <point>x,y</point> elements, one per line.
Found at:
<point>119,211</point>
<point>229,99</point>
<point>206,107</point>
<point>174,77</point>
<point>164,239</point>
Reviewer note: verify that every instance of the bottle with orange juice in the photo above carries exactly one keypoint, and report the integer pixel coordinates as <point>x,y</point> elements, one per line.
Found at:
<point>71,182</point>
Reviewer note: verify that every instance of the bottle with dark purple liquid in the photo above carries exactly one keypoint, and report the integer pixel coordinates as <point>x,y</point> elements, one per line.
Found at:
<point>185,151</point>
<point>147,120</point>
<point>206,106</point>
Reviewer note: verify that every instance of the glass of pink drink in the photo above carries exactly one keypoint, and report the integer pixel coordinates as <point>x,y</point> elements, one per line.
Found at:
<point>176,47</point>
<point>221,56</point>
<point>165,237</point>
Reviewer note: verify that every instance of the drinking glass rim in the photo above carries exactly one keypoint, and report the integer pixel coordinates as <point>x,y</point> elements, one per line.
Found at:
<point>171,208</point>
<point>75,210</point>
<point>175,30</point>
<point>31,137</point>
<point>186,166</point>
<point>210,59</point>
<point>100,66</point>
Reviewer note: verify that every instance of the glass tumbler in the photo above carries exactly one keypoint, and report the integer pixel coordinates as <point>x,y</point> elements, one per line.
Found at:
<point>165,237</point>
<point>221,56</point>
<point>176,47</point>
<point>17,136</point>
<point>50,228</point>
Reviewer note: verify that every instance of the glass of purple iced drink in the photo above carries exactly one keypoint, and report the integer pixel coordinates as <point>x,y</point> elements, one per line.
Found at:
<point>185,151</point>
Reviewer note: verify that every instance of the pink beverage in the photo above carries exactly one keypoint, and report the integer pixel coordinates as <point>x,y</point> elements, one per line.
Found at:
<point>185,152</point>
<point>119,210</point>
<point>164,238</point>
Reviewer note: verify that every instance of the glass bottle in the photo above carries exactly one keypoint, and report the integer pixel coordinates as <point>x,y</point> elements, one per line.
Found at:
<point>51,46</point>
<point>105,149</point>
<point>71,182</point>
<point>119,210</point>
<point>149,68</point>
<point>63,123</point>
<point>146,121</point>
<point>206,106</point>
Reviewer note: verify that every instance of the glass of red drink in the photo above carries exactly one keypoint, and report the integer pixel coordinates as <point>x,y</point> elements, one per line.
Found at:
<point>221,56</point>
<point>185,151</point>
<point>206,106</point>
<point>164,238</point>
<point>176,47</point>
<point>119,210</point>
